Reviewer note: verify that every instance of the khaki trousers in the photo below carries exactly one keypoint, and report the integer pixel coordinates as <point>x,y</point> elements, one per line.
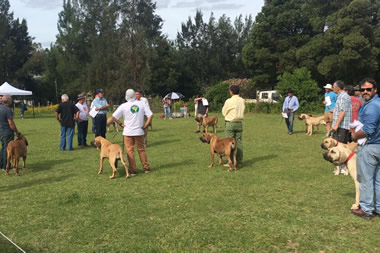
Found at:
<point>129,142</point>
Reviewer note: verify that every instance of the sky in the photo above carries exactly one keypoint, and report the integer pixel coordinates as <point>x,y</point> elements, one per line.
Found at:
<point>42,15</point>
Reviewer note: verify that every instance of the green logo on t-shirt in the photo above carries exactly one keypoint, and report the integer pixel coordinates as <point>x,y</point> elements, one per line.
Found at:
<point>135,109</point>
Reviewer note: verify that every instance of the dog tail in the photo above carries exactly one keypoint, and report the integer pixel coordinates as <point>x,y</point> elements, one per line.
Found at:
<point>233,144</point>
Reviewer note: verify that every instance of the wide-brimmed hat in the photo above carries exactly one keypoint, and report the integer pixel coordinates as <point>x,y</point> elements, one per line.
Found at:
<point>328,86</point>
<point>99,91</point>
<point>81,96</point>
<point>130,95</point>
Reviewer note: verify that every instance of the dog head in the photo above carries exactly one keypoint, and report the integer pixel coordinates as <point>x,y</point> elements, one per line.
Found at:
<point>329,143</point>
<point>97,143</point>
<point>337,155</point>
<point>206,137</point>
<point>199,119</point>
<point>22,138</point>
<point>304,116</point>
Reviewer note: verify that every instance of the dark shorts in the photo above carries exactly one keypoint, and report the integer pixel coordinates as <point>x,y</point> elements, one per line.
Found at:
<point>342,135</point>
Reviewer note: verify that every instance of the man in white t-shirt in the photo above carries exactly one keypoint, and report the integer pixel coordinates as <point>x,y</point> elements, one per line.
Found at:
<point>133,112</point>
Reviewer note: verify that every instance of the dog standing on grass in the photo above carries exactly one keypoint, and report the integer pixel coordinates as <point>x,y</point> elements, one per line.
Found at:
<point>311,121</point>
<point>343,155</point>
<point>111,122</point>
<point>221,146</point>
<point>207,122</point>
<point>113,152</point>
<point>15,150</point>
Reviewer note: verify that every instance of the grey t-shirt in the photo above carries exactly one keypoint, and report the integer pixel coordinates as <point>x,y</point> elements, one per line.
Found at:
<point>5,115</point>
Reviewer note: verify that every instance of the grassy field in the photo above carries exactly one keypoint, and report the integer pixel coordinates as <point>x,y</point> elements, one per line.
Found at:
<point>284,199</point>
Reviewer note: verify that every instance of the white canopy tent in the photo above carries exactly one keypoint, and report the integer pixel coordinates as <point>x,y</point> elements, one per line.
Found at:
<point>6,88</point>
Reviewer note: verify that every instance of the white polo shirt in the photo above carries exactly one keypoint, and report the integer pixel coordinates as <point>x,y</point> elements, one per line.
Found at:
<point>133,114</point>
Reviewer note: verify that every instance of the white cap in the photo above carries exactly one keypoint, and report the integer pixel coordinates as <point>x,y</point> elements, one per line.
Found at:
<point>130,95</point>
<point>328,86</point>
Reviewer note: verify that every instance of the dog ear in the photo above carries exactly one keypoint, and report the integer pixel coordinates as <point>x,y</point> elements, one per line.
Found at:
<point>98,144</point>
<point>26,141</point>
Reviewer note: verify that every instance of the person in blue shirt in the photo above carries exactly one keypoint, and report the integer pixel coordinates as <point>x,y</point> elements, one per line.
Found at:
<point>329,102</point>
<point>289,107</point>
<point>101,105</point>
<point>368,154</point>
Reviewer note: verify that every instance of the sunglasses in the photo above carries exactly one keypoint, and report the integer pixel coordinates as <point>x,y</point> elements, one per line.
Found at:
<point>366,89</point>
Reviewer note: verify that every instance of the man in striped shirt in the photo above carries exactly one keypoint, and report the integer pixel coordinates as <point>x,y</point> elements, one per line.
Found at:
<point>342,114</point>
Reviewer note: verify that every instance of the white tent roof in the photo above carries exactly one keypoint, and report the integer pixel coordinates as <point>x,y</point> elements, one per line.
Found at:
<point>6,88</point>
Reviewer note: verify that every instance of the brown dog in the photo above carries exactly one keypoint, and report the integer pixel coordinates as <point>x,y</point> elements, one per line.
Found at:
<point>221,146</point>
<point>340,155</point>
<point>113,152</point>
<point>207,122</point>
<point>311,121</point>
<point>15,150</point>
<point>329,143</point>
<point>110,122</point>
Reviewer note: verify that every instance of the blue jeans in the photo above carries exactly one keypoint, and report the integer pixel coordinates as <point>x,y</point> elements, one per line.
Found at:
<point>70,134</point>
<point>289,121</point>
<point>167,112</point>
<point>368,175</point>
<point>5,139</point>
<point>82,132</point>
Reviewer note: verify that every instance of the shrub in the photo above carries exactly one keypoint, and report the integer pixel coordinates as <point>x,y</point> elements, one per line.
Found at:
<point>217,95</point>
<point>305,88</point>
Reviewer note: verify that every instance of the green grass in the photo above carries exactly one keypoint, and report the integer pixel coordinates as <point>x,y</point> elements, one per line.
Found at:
<point>284,199</point>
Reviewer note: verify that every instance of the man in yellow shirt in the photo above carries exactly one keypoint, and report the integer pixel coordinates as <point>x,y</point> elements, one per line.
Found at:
<point>233,112</point>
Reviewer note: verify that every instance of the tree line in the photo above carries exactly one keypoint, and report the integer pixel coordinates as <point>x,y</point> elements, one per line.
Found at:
<point>119,44</point>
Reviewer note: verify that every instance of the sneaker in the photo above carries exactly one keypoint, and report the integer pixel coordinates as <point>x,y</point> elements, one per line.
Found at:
<point>132,174</point>
<point>359,212</point>
<point>290,133</point>
<point>147,171</point>
<point>226,165</point>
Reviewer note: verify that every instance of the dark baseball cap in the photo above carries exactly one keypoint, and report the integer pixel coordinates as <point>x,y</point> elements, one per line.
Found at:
<point>99,91</point>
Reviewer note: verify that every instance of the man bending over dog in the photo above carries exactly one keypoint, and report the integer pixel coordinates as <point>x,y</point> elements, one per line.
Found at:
<point>202,109</point>
<point>7,128</point>
<point>133,112</point>
<point>233,112</point>
<point>368,155</point>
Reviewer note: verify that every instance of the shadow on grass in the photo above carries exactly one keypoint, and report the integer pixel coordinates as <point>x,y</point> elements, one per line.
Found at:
<point>252,161</point>
<point>45,164</point>
<point>157,143</point>
<point>174,164</point>
<point>36,182</point>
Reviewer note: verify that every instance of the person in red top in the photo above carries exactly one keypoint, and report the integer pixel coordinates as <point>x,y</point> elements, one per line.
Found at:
<point>355,101</point>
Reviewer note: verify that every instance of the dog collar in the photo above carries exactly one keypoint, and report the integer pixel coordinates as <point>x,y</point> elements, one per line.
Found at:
<point>350,156</point>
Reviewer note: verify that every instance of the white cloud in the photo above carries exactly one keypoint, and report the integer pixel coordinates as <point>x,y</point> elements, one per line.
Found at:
<point>222,7</point>
<point>161,4</point>
<point>43,4</point>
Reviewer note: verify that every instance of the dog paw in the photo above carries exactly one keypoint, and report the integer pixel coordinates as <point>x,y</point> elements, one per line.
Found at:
<point>210,166</point>
<point>112,177</point>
